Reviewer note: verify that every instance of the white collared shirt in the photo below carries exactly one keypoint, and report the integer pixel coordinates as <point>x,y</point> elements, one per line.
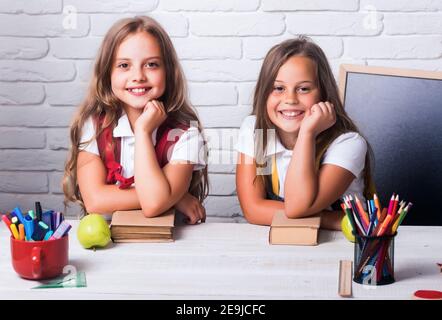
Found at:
<point>347,151</point>
<point>189,147</point>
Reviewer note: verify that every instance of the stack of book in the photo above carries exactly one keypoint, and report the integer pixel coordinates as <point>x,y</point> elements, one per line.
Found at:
<point>133,226</point>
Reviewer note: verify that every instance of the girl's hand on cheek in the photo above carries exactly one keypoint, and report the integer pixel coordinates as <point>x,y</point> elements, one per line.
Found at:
<point>318,118</point>
<point>152,117</point>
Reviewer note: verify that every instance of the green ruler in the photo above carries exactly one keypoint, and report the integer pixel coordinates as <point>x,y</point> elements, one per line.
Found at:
<point>72,280</point>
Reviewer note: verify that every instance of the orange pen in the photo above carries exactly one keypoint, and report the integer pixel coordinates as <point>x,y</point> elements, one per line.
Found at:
<point>21,232</point>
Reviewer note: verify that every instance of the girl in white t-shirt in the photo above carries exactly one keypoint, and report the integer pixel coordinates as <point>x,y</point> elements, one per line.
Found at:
<point>136,141</point>
<point>299,151</point>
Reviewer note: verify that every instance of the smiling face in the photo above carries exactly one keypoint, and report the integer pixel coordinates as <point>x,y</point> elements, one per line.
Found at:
<point>294,91</point>
<point>138,73</point>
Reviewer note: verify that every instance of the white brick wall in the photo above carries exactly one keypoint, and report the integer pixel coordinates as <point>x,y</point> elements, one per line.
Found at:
<point>45,67</point>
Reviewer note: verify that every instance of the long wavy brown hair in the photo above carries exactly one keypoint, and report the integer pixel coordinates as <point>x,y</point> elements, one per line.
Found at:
<point>100,100</point>
<point>275,58</point>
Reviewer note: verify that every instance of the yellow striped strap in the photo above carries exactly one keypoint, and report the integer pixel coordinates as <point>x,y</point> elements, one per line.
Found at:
<point>275,179</point>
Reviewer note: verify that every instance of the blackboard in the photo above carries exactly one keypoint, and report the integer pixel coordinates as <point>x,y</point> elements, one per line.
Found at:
<point>400,113</point>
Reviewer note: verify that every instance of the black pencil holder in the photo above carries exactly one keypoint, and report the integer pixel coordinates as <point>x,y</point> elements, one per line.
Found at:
<point>374,260</point>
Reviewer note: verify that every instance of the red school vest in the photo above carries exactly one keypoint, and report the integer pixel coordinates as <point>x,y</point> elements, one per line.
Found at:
<point>109,148</point>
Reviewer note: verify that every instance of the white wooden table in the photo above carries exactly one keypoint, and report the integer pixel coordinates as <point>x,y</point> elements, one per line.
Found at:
<point>230,261</point>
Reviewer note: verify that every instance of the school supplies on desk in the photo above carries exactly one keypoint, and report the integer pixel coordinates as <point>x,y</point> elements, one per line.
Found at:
<point>37,260</point>
<point>301,231</point>
<point>29,227</point>
<point>133,226</point>
<point>374,229</point>
<point>73,280</point>
<point>344,284</point>
<point>39,242</point>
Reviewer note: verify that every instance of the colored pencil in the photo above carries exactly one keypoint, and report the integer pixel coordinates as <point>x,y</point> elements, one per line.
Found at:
<point>390,204</point>
<point>396,200</point>
<point>378,205</point>
<point>362,212</point>
<point>383,222</point>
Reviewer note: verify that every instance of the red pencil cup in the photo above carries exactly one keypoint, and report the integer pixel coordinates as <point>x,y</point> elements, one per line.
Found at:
<point>37,260</point>
<point>374,260</point>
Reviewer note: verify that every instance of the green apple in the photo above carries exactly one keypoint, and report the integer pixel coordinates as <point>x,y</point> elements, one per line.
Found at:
<point>347,229</point>
<point>93,231</point>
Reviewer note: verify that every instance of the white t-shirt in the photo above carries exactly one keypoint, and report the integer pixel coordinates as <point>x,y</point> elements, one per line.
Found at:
<point>189,146</point>
<point>347,151</point>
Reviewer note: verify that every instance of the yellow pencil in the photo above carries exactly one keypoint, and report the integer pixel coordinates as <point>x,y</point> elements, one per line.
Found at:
<point>14,231</point>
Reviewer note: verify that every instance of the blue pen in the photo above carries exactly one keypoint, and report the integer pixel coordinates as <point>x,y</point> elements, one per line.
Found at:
<point>48,235</point>
<point>54,220</point>
<point>47,218</point>
<point>29,227</point>
<point>40,231</point>
<point>19,215</point>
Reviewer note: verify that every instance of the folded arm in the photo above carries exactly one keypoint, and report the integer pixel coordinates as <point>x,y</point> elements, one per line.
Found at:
<point>307,191</point>
<point>99,197</point>
<point>251,193</point>
<point>102,198</point>
<point>158,189</point>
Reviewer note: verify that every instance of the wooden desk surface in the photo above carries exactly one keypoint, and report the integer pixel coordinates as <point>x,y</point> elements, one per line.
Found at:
<point>230,261</point>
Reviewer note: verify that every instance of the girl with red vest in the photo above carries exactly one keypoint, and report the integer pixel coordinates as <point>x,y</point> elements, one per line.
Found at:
<point>136,141</point>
